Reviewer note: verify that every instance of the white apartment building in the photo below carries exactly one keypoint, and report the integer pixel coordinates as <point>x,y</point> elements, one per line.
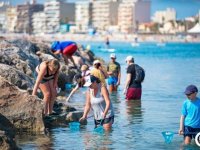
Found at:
<point>39,23</point>
<point>11,18</point>
<point>3,7</point>
<point>132,13</point>
<point>83,15</point>
<point>57,11</point>
<point>104,14</point>
<point>164,16</point>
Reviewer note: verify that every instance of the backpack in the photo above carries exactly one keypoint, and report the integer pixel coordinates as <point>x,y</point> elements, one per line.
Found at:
<point>139,74</point>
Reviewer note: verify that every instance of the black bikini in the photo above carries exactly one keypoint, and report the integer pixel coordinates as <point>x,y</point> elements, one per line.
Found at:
<point>47,77</point>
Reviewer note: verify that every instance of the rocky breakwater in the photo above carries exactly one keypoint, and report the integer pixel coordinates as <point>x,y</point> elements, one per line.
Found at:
<point>18,60</point>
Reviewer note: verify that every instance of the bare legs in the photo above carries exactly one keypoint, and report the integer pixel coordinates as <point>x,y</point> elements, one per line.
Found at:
<point>66,57</point>
<point>49,93</point>
<point>112,88</point>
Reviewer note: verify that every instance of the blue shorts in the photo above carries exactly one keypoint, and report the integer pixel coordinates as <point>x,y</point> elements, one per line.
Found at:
<point>191,132</point>
<point>112,80</point>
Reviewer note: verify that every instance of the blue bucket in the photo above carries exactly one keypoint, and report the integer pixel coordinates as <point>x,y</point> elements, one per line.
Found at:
<point>68,86</point>
<point>74,126</point>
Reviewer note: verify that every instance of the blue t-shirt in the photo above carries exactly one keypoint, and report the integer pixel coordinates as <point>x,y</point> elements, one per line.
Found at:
<point>62,45</point>
<point>191,111</point>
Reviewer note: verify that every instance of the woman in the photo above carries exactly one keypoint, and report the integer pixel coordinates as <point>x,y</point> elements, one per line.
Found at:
<point>97,98</point>
<point>99,72</point>
<point>78,79</point>
<point>47,77</point>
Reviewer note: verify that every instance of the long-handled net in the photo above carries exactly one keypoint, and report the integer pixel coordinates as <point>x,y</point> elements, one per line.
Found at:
<point>168,136</point>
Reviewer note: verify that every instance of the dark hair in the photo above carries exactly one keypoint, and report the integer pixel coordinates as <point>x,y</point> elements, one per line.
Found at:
<point>78,79</point>
<point>97,65</point>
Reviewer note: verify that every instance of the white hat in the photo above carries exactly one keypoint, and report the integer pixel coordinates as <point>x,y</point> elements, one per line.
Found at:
<point>96,62</point>
<point>112,55</point>
<point>129,58</point>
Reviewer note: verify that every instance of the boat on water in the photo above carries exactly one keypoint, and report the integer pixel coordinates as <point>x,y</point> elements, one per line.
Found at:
<point>108,49</point>
<point>135,44</point>
<point>161,44</point>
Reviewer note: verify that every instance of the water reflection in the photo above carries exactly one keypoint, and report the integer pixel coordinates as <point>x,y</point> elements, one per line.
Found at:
<point>134,111</point>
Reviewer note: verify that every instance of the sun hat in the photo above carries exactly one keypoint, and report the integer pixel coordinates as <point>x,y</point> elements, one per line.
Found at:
<point>190,89</point>
<point>113,55</point>
<point>129,58</point>
<point>96,62</point>
<point>89,80</point>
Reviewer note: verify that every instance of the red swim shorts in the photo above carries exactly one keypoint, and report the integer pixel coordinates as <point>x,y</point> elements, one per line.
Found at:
<point>70,50</point>
<point>133,94</point>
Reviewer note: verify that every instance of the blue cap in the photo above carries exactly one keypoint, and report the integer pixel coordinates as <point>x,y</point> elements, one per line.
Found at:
<point>54,44</point>
<point>191,89</point>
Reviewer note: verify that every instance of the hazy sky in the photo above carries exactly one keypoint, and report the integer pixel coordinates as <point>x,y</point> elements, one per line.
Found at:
<point>184,8</point>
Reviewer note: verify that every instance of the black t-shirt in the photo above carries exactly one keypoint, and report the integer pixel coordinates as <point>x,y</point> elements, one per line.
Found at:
<point>131,70</point>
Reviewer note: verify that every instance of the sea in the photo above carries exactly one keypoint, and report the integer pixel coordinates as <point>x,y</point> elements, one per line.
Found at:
<point>169,68</point>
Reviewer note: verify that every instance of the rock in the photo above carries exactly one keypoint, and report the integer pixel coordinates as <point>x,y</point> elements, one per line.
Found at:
<point>7,134</point>
<point>16,77</point>
<point>7,143</point>
<point>20,108</point>
<point>74,116</point>
<point>20,55</point>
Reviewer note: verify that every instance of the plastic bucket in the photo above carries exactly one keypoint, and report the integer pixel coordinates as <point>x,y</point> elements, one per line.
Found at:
<point>68,86</point>
<point>74,126</point>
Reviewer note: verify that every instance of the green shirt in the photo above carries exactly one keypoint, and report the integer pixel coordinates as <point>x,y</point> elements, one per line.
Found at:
<point>114,67</point>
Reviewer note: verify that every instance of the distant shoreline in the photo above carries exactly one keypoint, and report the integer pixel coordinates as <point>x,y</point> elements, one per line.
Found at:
<point>157,38</point>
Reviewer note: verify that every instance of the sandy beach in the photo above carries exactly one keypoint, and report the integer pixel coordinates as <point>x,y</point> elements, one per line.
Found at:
<point>112,37</point>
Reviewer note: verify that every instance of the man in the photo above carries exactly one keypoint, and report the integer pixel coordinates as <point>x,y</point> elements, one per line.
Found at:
<point>133,89</point>
<point>114,72</point>
<point>66,48</point>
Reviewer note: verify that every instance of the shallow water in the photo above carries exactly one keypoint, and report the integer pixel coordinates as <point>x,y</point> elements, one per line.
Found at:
<point>138,125</point>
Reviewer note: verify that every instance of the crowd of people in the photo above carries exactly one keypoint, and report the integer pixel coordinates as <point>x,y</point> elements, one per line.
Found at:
<point>97,96</point>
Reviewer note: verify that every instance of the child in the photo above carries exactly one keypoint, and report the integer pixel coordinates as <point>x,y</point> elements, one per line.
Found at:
<point>190,118</point>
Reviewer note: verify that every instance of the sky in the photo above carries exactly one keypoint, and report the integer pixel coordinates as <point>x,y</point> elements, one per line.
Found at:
<point>184,8</point>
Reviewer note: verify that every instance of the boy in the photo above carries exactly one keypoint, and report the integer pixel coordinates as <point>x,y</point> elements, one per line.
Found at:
<point>190,118</point>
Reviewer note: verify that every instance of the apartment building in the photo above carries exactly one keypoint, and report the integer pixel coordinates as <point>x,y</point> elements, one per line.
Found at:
<point>83,15</point>
<point>132,13</point>
<point>164,16</point>
<point>39,23</point>
<point>104,14</point>
<point>3,7</point>
<point>11,19</point>
<point>24,17</point>
<point>57,12</point>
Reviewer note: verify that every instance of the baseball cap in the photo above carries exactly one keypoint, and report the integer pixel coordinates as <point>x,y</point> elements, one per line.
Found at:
<point>112,55</point>
<point>129,58</point>
<point>89,80</point>
<point>96,62</point>
<point>190,89</point>
<point>54,44</point>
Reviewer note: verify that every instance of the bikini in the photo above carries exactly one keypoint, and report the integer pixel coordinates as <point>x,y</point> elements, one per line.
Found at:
<point>47,77</point>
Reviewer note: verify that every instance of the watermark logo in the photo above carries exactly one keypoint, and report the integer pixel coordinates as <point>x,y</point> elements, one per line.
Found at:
<point>197,139</point>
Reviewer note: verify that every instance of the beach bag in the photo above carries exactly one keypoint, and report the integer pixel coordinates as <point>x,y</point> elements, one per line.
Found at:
<point>139,74</point>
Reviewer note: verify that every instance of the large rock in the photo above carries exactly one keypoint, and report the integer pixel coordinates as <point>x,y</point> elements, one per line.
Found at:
<point>20,55</point>
<point>16,77</point>
<point>7,134</point>
<point>22,109</point>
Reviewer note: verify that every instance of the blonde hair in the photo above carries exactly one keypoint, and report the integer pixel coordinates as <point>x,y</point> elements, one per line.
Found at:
<point>54,63</point>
